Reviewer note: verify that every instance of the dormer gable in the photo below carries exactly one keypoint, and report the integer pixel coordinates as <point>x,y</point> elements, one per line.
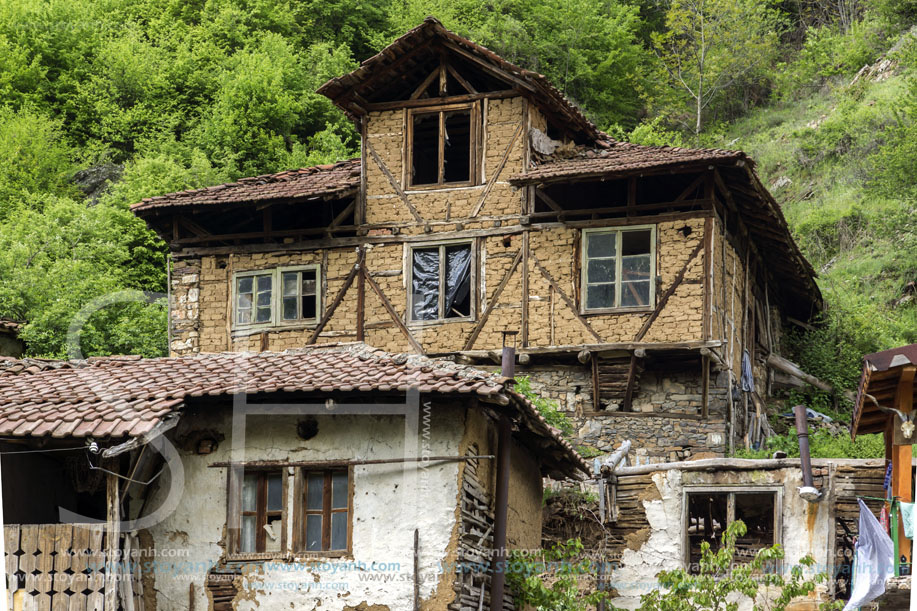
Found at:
<point>431,65</point>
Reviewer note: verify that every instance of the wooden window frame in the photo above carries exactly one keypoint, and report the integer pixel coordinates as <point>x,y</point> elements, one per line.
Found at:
<point>300,491</point>
<point>235,486</point>
<point>584,267</point>
<point>731,491</point>
<point>277,320</point>
<point>474,145</point>
<point>473,279</point>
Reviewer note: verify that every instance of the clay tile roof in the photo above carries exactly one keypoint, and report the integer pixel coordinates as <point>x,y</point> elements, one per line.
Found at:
<point>8,325</point>
<point>622,158</point>
<point>333,180</point>
<point>126,396</point>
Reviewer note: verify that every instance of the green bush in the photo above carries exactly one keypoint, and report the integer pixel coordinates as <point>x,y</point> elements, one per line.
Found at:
<point>822,444</point>
<point>547,408</point>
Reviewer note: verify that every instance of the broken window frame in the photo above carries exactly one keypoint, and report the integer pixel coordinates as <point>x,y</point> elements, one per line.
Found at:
<point>473,109</point>
<point>277,319</point>
<point>300,523</point>
<point>409,275</point>
<point>731,491</point>
<point>618,257</point>
<point>234,509</point>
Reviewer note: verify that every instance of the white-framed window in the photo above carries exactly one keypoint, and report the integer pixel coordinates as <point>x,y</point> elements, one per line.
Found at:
<point>276,297</point>
<point>441,282</point>
<point>618,268</point>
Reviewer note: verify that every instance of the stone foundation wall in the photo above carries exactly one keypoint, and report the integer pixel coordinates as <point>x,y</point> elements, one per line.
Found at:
<point>679,431</point>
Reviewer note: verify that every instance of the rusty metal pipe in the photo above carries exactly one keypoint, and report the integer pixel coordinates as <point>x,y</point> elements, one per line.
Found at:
<point>501,500</point>
<point>808,490</point>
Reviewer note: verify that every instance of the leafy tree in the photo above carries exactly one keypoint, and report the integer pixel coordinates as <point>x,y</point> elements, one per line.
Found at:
<point>709,46</point>
<point>719,580</point>
<point>551,581</point>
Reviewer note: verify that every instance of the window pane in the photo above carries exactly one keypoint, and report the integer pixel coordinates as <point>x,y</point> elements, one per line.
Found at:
<point>601,270</point>
<point>315,484</point>
<point>290,280</point>
<point>250,492</point>
<point>635,242</point>
<point>263,314</point>
<point>339,490</point>
<point>264,299</point>
<point>274,492</point>
<point>309,307</point>
<point>264,283</point>
<point>314,533</point>
<point>339,530</point>
<point>244,315</point>
<point>247,540</point>
<point>274,527</point>
<point>289,308</point>
<point>458,281</point>
<point>635,267</point>
<point>425,149</point>
<point>457,152</point>
<point>244,285</point>
<point>635,293</point>
<point>425,284</point>
<point>308,282</point>
<point>600,245</point>
<point>600,296</point>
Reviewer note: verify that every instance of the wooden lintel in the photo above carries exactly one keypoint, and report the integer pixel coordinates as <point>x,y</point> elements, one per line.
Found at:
<point>452,99</point>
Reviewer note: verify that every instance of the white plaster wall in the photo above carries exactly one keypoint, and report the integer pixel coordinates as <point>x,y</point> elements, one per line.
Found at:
<point>389,502</point>
<point>807,528</point>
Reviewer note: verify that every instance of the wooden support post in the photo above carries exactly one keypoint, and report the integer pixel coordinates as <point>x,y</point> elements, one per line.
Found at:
<point>902,472</point>
<point>705,378</point>
<point>525,289</point>
<point>112,546</point>
<point>361,307</point>
<point>631,383</point>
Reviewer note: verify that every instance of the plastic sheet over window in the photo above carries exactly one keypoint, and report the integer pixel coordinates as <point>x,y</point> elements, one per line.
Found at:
<point>425,284</point>
<point>458,281</point>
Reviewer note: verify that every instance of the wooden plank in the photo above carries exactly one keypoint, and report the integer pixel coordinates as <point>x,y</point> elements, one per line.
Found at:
<point>902,470</point>
<point>669,292</point>
<point>631,382</point>
<point>361,305</point>
<point>497,172</point>
<point>11,541</point>
<point>393,182</point>
<point>391,312</point>
<point>113,536</point>
<point>525,289</point>
<point>566,299</point>
<point>493,301</point>
<point>339,297</point>
<point>452,99</point>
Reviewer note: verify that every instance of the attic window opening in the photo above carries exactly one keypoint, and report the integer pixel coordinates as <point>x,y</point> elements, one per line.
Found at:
<point>618,267</point>
<point>441,147</point>
<point>441,281</point>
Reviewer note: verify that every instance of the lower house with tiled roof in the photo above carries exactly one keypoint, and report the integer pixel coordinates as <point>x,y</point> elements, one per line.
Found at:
<point>334,477</point>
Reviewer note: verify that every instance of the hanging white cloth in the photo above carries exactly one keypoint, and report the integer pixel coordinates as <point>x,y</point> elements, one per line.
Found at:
<point>875,560</point>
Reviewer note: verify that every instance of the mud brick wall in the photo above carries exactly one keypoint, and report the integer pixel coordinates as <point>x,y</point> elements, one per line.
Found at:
<point>185,307</point>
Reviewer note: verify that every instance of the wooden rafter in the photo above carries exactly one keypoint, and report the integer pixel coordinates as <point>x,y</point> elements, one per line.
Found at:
<point>566,299</point>
<point>391,312</point>
<point>499,170</point>
<point>393,182</point>
<point>493,302</point>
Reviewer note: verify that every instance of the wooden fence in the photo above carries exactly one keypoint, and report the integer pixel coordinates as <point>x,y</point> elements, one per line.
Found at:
<point>62,567</point>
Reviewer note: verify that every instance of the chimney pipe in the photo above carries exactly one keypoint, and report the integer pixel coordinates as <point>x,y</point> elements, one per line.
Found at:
<point>808,490</point>
<point>501,500</point>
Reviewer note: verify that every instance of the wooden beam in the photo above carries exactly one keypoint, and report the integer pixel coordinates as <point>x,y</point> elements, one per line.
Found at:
<point>553,205</point>
<point>496,175</point>
<point>669,292</point>
<point>566,299</point>
<point>393,182</point>
<point>525,289</point>
<point>902,471</point>
<point>468,87</point>
<point>690,188</point>
<point>338,298</point>
<point>631,383</point>
<point>361,307</point>
<point>112,541</point>
<point>493,301</point>
<point>426,83</point>
<point>451,99</point>
<point>391,312</point>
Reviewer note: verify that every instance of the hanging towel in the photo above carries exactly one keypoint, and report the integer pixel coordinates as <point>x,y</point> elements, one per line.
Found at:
<point>748,378</point>
<point>875,560</point>
<point>884,519</point>
<point>907,518</point>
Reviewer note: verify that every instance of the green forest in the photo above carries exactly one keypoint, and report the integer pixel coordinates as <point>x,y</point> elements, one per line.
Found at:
<point>108,102</point>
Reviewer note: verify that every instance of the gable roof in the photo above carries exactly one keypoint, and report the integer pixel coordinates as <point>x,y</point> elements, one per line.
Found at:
<point>117,397</point>
<point>346,91</point>
<point>318,182</point>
